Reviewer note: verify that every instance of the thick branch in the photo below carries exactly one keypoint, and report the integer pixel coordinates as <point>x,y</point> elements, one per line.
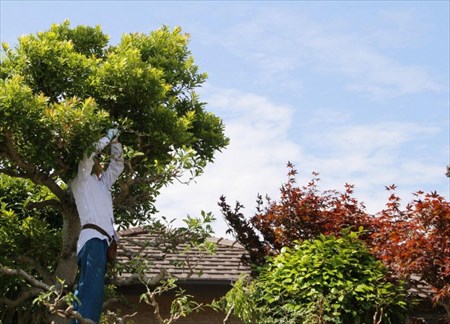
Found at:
<point>70,313</point>
<point>124,191</point>
<point>30,170</point>
<point>24,295</point>
<point>46,275</point>
<point>19,272</point>
<point>155,305</point>
<point>43,204</point>
<point>67,266</point>
<point>13,174</point>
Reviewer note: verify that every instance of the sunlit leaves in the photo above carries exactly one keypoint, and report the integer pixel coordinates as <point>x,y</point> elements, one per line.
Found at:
<point>325,280</point>
<point>63,87</point>
<point>60,90</point>
<point>27,236</point>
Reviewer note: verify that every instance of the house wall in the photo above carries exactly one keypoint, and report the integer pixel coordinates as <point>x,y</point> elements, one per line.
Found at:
<point>425,312</point>
<point>202,294</point>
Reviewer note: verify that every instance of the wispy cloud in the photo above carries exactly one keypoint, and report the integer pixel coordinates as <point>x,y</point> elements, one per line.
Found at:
<point>285,43</point>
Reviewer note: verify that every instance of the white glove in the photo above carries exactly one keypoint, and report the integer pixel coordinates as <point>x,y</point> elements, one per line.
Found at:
<point>112,133</point>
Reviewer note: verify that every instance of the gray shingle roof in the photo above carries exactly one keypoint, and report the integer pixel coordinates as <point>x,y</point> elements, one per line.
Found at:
<point>225,265</point>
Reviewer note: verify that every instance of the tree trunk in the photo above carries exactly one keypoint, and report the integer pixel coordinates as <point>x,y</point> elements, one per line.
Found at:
<point>67,265</point>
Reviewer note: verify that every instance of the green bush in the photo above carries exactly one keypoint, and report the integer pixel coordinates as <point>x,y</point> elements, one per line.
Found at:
<point>325,280</point>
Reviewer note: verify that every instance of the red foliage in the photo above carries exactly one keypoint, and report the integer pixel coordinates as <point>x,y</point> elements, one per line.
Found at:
<point>415,242</point>
<point>305,212</point>
<point>302,213</point>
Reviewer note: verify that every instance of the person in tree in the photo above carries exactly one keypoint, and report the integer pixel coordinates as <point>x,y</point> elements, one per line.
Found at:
<point>91,189</point>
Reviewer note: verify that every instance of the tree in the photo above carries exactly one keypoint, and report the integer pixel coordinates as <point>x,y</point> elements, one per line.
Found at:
<point>302,213</point>
<point>322,280</point>
<point>60,90</point>
<point>21,229</point>
<point>414,243</point>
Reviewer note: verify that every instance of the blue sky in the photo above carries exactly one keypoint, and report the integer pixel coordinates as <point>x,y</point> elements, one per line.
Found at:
<point>357,91</point>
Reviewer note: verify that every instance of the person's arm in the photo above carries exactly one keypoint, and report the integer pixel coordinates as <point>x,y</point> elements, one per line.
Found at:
<point>116,164</point>
<point>86,164</point>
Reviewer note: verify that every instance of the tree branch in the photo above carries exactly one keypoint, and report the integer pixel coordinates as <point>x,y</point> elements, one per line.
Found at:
<point>19,272</point>
<point>129,253</point>
<point>42,204</point>
<point>155,305</point>
<point>229,313</point>
<point>30,171</point>
<point>70,313</point>
<point>118,319</point>
<point>24,295</point>
<point>46,275</point>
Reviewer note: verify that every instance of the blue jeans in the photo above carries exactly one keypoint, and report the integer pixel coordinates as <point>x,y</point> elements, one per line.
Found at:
<point>92,261</point>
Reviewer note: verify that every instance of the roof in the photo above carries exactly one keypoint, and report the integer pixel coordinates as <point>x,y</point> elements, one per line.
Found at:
<point>224,266</point>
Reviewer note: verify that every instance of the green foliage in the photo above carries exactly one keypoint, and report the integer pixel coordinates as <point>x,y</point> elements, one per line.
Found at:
<point>61,88</point>
<point>411,242</point>
<point>239,300</point>
<point>56,294</point>
<point>183,243</point>
<point>23,231</point>
<point>27,237</point>
<point>325,280</point>
<point>182,305</point>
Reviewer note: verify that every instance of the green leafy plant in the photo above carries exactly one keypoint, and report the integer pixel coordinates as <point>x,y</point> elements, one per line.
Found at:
<point>322,280</point>
<point>181,306</point>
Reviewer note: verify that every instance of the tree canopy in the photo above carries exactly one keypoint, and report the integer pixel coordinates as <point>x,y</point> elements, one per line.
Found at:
<point>414,242</point>
<point>301,213</point>
<point>60,90</point>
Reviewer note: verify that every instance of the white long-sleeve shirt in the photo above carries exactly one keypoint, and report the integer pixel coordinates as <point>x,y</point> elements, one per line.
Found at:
<point>93,195</point>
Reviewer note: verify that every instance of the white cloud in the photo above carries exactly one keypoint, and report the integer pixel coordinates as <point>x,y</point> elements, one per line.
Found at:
<point>372,156</point>
<point>253,163</point>
<point>368,156</point>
